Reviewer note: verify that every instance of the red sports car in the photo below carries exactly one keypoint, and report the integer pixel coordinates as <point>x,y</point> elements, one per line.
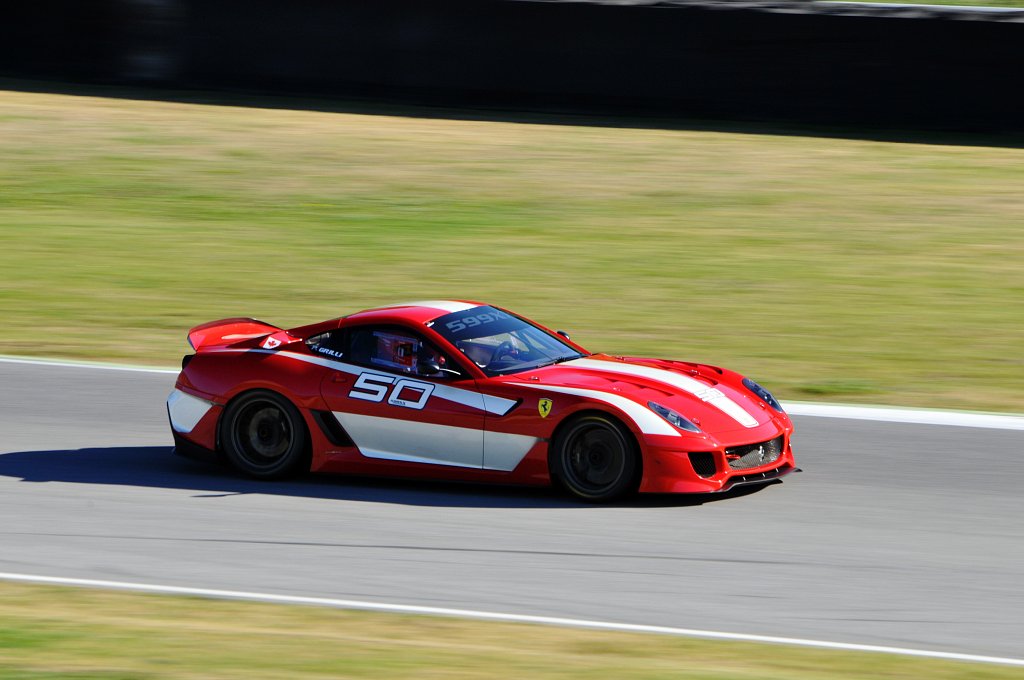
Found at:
<point>466,391</point>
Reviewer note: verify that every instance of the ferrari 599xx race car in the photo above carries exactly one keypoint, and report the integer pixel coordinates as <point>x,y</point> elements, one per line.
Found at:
<point>465,391</point>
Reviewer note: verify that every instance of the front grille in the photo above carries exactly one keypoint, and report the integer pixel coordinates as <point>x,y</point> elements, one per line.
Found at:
<point>703,463</point>
<point>754,455</point>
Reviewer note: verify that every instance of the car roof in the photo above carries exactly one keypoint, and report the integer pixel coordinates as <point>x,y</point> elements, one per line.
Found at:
<point>418,312</point>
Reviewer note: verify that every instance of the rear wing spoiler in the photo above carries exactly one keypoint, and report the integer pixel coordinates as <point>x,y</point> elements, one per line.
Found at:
<point>238,331</point>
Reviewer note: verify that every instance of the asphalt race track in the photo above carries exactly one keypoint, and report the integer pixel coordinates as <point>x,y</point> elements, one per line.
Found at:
<point>895,534</point>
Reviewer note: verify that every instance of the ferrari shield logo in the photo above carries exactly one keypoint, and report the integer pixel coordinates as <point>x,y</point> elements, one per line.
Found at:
<point>544,406</point>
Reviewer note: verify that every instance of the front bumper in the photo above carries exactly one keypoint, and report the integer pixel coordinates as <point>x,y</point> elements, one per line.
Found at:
<point>758,478</point>
<point>692,470</point>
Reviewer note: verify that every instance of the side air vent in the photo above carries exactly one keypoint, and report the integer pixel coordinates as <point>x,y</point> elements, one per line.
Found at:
<point>703,463</point>
<point>332,429</point>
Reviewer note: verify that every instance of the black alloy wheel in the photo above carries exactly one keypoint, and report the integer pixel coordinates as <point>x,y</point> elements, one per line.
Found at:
<point>596,459</point>
<point>263,435</point>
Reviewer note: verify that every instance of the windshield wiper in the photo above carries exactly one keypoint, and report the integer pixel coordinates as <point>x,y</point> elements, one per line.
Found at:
<point>559,360</point>
<point>520,368</point>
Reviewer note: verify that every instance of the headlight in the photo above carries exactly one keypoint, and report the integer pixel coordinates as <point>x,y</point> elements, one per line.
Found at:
<point>672,417</point>
<point>764,394</point>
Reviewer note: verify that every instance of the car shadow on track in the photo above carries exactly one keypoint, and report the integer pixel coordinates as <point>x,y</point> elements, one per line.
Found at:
<point>156,466</point>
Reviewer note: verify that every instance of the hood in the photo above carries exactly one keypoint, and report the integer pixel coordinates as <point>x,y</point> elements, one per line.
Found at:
<point>714,399</point>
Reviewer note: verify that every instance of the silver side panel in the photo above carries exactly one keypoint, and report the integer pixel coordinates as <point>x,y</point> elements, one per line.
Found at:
<point>504,451</point>
<point>393,439</point>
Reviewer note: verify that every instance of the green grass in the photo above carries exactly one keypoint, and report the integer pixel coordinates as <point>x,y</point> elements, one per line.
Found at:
<point>48,632</point>
<point>825,268</point>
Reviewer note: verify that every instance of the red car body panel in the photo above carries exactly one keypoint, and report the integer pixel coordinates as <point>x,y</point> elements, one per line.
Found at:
<point>387,420</point>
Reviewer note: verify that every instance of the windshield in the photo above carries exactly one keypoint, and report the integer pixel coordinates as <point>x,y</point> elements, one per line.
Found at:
<point>499,342</point>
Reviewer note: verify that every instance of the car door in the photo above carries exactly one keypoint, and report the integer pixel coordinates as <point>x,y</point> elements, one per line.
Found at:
<point>393,409</point>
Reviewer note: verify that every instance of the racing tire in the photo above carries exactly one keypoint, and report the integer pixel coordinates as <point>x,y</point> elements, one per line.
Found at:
<point>263,435</point>
<point>595,458</point>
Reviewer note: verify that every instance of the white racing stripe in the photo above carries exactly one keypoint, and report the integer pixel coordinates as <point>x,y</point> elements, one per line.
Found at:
<point>471,398</point>
<point>647,420</point>
<point>449,306</point>
<point>482,402</point>
<point>697,388</point>
<point>875,413</point>
<point>500,616</point>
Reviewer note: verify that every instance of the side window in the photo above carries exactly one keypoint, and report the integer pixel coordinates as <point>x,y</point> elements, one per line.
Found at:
<point>331,344</point>
<point>398,350</point>
<point>392,350</point>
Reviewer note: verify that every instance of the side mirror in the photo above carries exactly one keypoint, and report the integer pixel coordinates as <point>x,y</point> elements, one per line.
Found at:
<point>563,334</point>
<point>428,367</point>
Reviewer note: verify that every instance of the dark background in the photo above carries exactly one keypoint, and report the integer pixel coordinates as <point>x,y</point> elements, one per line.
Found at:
<point>799,62</point>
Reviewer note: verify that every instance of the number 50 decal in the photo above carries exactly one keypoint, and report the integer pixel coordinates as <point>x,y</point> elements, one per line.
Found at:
<point>404,392</point>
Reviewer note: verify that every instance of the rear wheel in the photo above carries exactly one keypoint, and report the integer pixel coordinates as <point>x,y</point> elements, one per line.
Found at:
<point>263,435</point>
<point>595,458</point>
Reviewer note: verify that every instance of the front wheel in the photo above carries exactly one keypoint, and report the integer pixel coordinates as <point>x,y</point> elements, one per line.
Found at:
<point>263,435</point>
<point>595,458</point>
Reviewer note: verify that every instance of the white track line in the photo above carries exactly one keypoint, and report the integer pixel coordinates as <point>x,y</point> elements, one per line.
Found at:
<point>498,616</point>
<point>917,416</point>
<point>884,414</point>
<point>877,413</point>
<point>66,363</point>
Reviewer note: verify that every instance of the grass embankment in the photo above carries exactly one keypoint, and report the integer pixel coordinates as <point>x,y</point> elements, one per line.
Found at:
<point>826,268</point>
<point>50,632</point>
